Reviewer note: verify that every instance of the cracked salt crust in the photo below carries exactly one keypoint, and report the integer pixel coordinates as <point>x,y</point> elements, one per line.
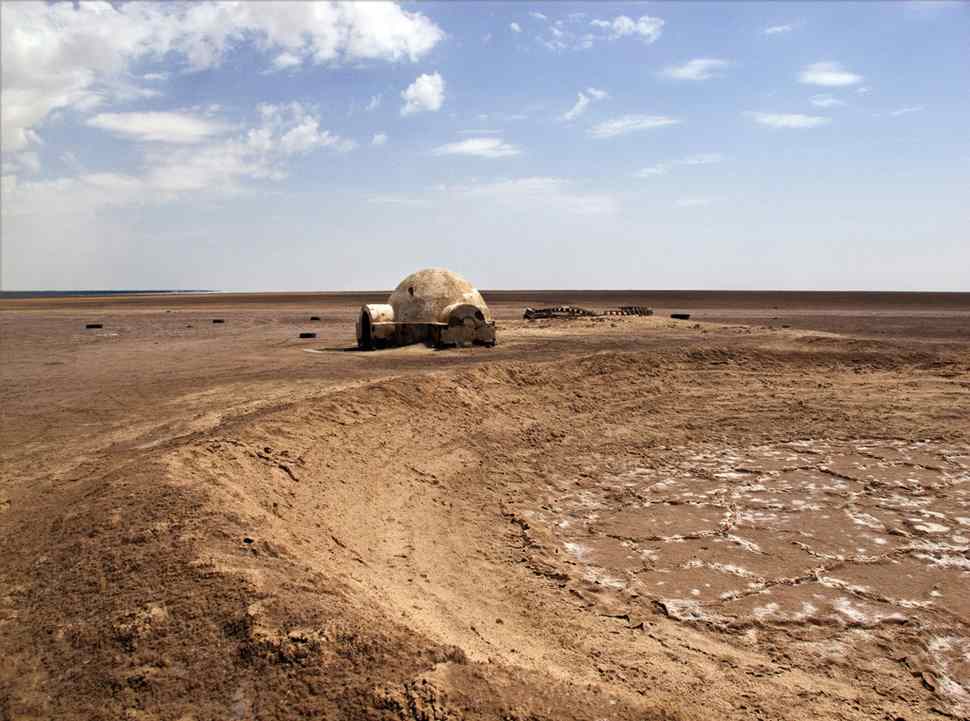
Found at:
<point>783,497</point>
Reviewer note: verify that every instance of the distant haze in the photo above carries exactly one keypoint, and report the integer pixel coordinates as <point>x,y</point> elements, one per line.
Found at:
<point>548,145</point>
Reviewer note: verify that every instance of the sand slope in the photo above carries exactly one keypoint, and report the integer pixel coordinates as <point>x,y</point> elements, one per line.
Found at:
<point>226,526</point>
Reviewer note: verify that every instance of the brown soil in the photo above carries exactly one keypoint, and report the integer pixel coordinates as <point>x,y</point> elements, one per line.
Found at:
<point>631,518</point>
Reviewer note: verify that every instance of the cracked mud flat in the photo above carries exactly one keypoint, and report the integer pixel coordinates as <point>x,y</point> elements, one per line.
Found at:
<point>630,520</point>
<point>860,547</point>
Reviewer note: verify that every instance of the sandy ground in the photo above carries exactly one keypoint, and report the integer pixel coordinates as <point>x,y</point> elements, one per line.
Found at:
<point>760,513</point>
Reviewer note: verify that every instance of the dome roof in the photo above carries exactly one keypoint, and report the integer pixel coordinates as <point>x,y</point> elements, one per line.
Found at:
<point>422,297</point>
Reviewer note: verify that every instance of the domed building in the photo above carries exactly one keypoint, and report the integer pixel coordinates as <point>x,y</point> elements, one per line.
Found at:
<point>433,306</point>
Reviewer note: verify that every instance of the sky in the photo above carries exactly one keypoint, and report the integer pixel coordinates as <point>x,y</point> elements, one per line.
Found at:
<point>332,146</point>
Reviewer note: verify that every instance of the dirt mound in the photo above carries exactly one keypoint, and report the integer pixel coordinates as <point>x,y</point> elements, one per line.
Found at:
<point>392,550</point>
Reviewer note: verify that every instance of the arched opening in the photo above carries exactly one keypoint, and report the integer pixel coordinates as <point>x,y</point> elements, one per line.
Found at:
<point>366,339</point>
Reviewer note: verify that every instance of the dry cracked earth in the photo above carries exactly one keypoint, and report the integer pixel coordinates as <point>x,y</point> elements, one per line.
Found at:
<point>763,513</point>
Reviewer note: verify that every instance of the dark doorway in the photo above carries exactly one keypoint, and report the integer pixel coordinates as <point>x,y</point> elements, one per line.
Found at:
<point>366,340</point>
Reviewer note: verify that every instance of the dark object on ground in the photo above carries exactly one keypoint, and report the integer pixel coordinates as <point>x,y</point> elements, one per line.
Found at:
<point>314,317</point>
<point>559,311</point>
<point>629,310</point>
<point>308,335</point>
<point>94,325</point>
<point>218,320</point>
<point>680,316</point>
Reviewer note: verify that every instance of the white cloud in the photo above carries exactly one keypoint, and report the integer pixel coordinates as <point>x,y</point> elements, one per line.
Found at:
<point>538,16</point>
<point>702,159</point>
<point>778,29</point>
<point>664,168</point>
<point>789,120</point>
<point>379,139</point>
<point>374,103</point>
<point>646,27</point>
<point>696,69</point>
<point>158,127</point>
<point>862,90</point>
<point>828,74</point>
<point>583,100</point>
<point>306,135</point>
<point>219,165</point>
<point>61,56</point>
<point>628,124</point>
<point>694,202</point>
<point>825,101</point>
<point>23,162</point>
<point>427,92</point>
<point>286,60</point>
<point>905,111</point>
<point>84,194</point>
<point>930,7</point>
<point>479,132</point>
<point>547,193</point>
<point>406,201</point>
<point>261,153</point>
<point>155,76</point>
<point>515,27</point>
<point>479,147</point>
<point>558,36</point>
<point>652,171</point>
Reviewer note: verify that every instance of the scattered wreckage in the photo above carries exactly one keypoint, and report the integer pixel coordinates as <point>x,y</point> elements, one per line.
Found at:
<point>572,311</point>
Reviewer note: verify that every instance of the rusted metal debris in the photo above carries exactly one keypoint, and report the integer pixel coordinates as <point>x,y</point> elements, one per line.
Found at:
<point>571,311</point>
<point>559,311</point>
<point>629,310</point>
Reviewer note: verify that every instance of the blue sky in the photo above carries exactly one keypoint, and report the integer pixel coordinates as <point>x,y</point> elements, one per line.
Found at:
<point>549,145</point>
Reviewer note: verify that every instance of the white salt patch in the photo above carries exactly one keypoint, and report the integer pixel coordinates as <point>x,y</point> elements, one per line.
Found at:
<point>946,561</point>
<point>931,528</point>
<point>578,550</point>
<point>906,603</point>
<point>864,519</point>
<point>598,575</point>
<point>745,544</point>
<point>731,569</point>
<point>731,475</point>
<point>684,609</point>
<point>764,611</point>
<point>950,688</point>
<point>844,606</point>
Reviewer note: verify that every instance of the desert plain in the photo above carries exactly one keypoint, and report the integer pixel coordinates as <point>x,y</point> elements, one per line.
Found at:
<point>759,513</point>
